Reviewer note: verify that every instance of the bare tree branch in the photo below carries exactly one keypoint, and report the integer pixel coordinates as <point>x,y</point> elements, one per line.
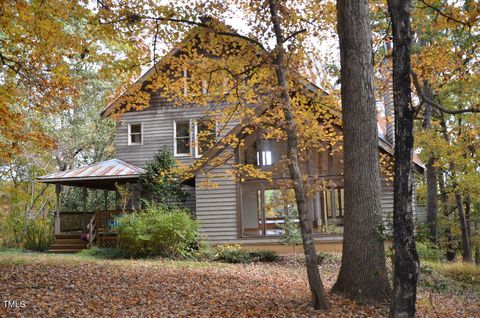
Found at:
<point>205,25</point>
<point>423,98</point>
<point>294,34</point>
<point>443,14</point>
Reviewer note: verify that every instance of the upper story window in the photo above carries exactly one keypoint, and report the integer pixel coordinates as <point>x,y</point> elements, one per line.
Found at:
<point>135,134</point>
<point>181,130</point>
<point>205,135</point>
<point>264,152</point>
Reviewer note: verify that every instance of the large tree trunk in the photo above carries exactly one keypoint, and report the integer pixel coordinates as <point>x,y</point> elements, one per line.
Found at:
<point>466,247</point>
<point>406,263</point>
<point>363,272</point>
<point>319,298</point>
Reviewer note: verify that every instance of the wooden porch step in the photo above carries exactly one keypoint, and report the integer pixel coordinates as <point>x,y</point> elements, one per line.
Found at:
<point>60,246</point>
<point>67,236</point>
<point>64,251</point>
<point>67,243</point>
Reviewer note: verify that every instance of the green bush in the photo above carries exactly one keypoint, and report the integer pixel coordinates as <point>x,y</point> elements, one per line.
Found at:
<point>233,254</point>
<point>162,230</point>
<point>429,252</point>
<point>160,183</point>
<point>103,253</point>
<point>422,234</point>
<point>204,252</point>
<point>265,256</point>
<point>12,229</point>
<point>292,235</point>
<point>324,257</point>
<point>38,235</point>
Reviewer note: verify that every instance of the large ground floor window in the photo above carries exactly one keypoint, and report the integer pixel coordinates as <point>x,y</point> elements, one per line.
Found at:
<point>265,209</point>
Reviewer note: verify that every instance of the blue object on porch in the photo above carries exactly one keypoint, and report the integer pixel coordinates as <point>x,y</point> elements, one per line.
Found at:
<point>114,223</point>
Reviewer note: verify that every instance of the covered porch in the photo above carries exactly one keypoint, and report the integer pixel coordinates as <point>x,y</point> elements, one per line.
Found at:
<point>97,225</point>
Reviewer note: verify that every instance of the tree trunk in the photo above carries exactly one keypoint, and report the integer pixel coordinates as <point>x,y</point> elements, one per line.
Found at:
<point>450,246</point>
<point>319,299</point>
<point>363,272</point>
<point>468,215</point>
<point>432,199</point>
<point>466,247</point>
<point>406,263</point>
<point>476,226</point>
<point>432,207</point>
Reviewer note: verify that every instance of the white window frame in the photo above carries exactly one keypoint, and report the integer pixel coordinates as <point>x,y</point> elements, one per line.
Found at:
<point>195,131</point>
<point>129,135</point>
<point>175,154</point>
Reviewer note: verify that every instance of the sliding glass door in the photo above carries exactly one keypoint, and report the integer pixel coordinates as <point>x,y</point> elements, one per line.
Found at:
<point>265,209</point>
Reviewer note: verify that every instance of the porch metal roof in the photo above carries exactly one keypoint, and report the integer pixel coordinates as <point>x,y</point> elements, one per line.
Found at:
<point>98,173</point>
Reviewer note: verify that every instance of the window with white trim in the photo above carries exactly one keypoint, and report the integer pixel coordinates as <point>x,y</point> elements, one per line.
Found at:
<point>181,130</point>
<point>205,135</point>
<point>135,134</point>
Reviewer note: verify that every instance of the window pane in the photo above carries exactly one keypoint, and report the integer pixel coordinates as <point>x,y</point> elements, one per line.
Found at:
<point>272,152</point>
<point>267,153</point>
<point>136,138</point>
<point>340,203</point>
<point>183,145</point>
<point>183,129</point>
<point>136,129</point>
<point>275,211</point>
<point>274,204</point>
<point>328,199</point>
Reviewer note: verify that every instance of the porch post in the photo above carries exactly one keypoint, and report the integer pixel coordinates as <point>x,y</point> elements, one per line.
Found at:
<point>136,197</point>
<point>58,188</point>
<point>105,195</point>
<point>84,220</point>
<point>117,198</point>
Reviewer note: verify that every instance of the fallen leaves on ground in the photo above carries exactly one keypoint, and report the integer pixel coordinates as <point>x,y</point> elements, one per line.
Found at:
<point>157,289</point>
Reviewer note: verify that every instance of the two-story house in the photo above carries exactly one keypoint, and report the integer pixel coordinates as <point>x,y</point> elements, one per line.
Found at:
<point>248,211</point>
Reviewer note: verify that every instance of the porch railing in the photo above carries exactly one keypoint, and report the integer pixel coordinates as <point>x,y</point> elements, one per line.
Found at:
<point>103,221</point>
<point>107,221</point>
<point>74,221</point>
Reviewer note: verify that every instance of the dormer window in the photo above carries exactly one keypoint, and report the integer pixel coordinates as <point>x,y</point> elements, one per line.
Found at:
<point>135,134</point>
<point>205,135</point>
<point>181,130</point>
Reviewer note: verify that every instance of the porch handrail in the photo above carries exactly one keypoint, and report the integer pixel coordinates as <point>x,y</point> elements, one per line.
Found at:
<point>71,221</point>
<point>92,231</point>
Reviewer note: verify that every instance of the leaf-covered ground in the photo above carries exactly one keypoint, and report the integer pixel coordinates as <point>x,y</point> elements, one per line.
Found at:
<point>71,286</point>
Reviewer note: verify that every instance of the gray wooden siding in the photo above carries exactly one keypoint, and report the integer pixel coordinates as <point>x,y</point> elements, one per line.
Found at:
<point>157,124</point>
<point>191,202</point>
<point>387,201</point>
<point>217,206</point>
